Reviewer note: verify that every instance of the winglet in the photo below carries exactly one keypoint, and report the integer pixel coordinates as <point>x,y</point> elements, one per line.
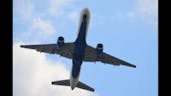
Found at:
<point>23,46</point>
<point>132,65</point>
<point>128,64</point>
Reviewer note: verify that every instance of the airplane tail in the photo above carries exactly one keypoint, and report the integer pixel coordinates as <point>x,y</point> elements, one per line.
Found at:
<point>67,83</point>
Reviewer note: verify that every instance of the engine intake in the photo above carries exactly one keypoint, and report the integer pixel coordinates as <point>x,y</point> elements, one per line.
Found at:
<point>99,48</point>
<point>60,41</point>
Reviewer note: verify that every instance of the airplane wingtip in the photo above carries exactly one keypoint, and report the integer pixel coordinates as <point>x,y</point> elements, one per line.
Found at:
<point>134,66</point>
<point>22,46</point>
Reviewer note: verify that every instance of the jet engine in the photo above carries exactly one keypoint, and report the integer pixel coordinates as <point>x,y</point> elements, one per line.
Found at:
<point>60,41</point>
<point>99,48</point>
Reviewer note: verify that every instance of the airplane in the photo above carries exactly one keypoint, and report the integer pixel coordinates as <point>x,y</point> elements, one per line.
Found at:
<point>78,51</point>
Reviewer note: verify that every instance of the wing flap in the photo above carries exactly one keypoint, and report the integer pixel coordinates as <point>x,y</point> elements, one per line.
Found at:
<point>113,60</point>
<point>91,56</point>
<point>65,51</point>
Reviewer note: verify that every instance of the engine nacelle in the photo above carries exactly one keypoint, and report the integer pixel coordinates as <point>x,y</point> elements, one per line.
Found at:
<point>99,48</point>
<point>60,41</point>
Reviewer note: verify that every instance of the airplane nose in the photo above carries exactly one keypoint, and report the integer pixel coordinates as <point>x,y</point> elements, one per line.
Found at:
<point>86,11</point>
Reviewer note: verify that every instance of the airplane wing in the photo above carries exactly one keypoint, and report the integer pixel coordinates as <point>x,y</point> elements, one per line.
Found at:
<point>91,56</point>
<point>65,51</point>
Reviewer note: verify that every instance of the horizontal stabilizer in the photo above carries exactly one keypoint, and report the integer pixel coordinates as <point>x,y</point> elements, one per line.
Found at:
<point>67,83</point>
<point>62,82</point>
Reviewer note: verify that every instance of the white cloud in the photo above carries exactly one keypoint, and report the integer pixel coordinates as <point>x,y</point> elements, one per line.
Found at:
<point>37,26</point>
<point>148,7</point>
<point>33,73</point>
<point>131,14</point>
<point>73,16</point>
<point>63,8</point>
<point>45,27</point>
<point>24,8</point>
<point>38,29</point>
<point>148,11</point>
<point>145,10</point>
<point>56,6</point>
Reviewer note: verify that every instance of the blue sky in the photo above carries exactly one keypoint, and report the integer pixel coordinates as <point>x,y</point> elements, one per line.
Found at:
<point>127,29</point>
